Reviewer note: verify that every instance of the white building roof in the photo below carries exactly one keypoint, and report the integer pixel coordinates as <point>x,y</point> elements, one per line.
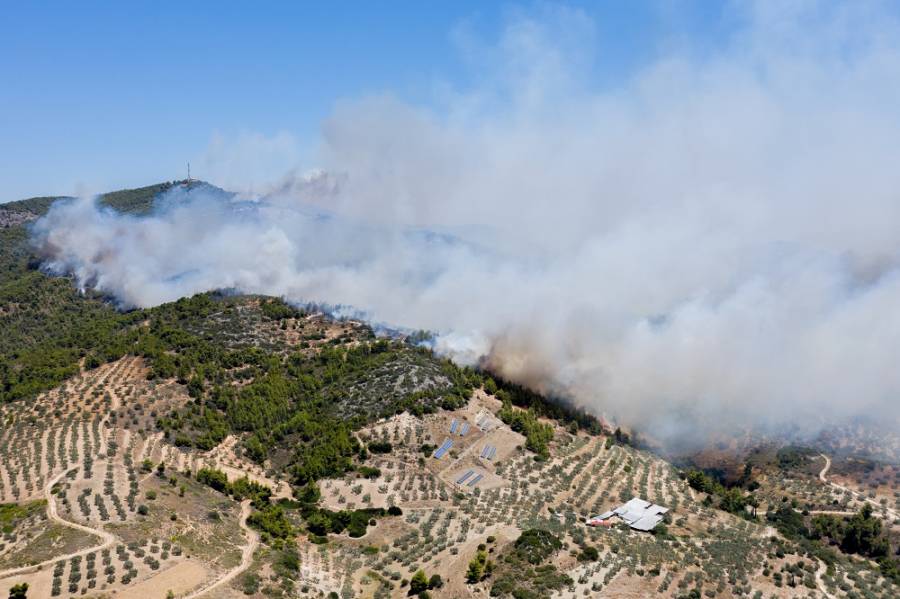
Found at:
<point>638,513</point>
<point>646,523</point>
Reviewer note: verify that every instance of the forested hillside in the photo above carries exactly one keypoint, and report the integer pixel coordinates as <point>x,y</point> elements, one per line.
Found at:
<point>46,325</point>
<point>254,365</point>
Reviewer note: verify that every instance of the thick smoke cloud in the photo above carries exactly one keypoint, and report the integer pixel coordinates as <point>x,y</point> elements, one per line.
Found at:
<point>712,243</point>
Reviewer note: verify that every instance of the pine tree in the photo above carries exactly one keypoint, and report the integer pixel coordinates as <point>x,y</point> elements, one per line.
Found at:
<point>419,582</point>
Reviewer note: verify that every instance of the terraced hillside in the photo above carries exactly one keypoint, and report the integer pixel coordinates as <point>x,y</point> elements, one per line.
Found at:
<point>230,446</point>
<point>132,514</point>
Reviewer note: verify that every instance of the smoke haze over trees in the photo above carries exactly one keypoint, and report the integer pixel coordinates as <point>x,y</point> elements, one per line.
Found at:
<point>712,241</point>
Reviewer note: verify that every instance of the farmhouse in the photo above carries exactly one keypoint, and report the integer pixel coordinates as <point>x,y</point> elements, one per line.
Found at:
<point>637,513</point>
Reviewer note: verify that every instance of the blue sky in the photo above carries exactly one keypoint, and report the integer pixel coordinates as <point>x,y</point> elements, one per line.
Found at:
<point>99,95</point>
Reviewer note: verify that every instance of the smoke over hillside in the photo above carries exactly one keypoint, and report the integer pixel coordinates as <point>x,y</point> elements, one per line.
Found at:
<point>712,242</point>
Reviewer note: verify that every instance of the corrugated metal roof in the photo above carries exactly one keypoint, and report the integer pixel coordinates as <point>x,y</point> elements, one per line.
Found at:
<point>638,513</point>
<point>647,523</point>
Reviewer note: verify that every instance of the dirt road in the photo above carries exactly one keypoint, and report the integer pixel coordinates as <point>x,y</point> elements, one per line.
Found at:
<point>246,557</point>
<point>108,539</point>
<point>858,496</point>
<point>825,469</point>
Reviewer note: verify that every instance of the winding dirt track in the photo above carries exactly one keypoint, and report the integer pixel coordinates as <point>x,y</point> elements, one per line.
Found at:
<point>108,539</point>
<point>246,557</point>
<point>878,507</point>
<point>825,469</point>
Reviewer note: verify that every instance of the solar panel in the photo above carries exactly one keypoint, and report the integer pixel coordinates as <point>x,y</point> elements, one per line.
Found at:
<point>484,451</point>
<point>465,429</point>
<point>453,426</point>
<point>474,481</point>
<point>493,453</point>
<point>440,451</point>
<point>463,478</point>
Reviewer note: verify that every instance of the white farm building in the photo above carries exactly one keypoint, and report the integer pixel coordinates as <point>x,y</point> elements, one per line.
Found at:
<point>637,513</point>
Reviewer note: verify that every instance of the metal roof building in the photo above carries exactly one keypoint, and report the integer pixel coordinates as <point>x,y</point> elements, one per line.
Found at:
<point>637,513</point>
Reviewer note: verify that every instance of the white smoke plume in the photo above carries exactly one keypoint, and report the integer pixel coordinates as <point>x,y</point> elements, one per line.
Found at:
<point>713,242</point>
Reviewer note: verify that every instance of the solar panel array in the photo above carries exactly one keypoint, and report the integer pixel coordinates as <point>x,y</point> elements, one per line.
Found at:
<point>444,448</point>
<point>464,429</point>
<point>474,481</point>
<point>453,426</point>
<point>463,478</point>
<point>489,452</point>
